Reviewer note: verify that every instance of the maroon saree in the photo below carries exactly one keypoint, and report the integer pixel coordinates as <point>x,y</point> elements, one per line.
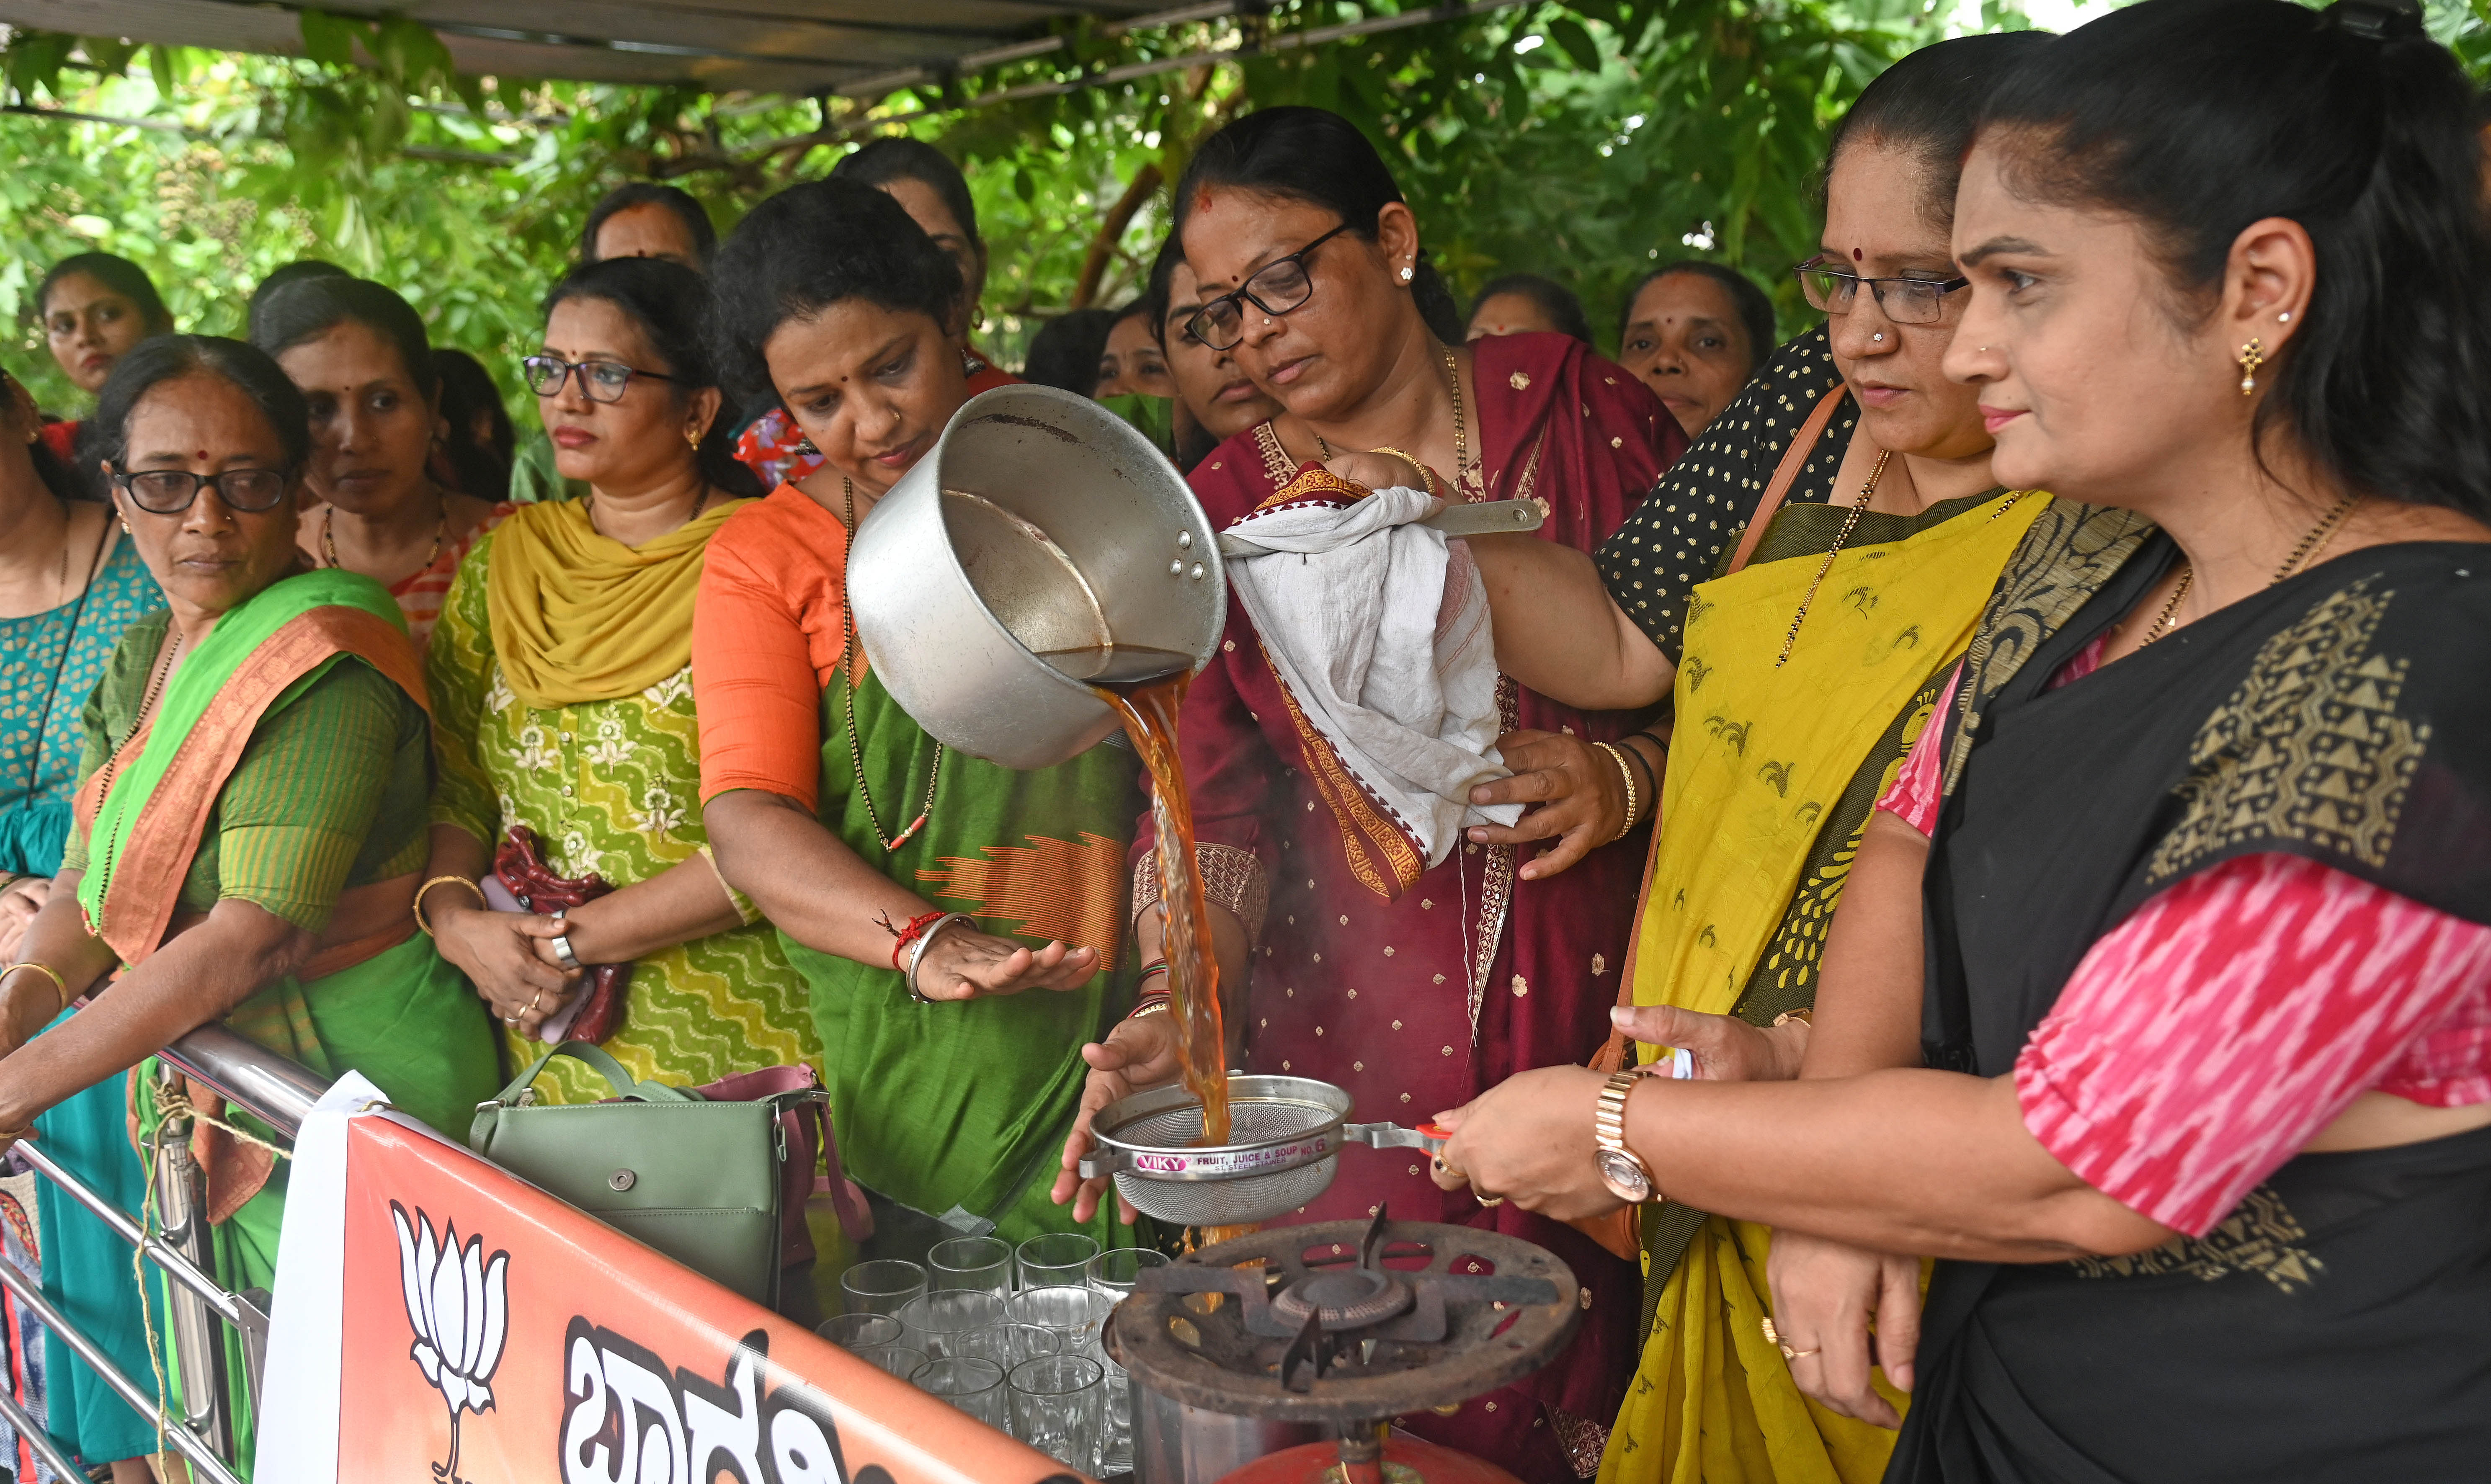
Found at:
<point>1417,988</point>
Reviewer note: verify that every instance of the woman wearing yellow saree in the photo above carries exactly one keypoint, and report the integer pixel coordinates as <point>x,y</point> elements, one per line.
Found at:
<point>1843,511</point>
<point>251,824</point>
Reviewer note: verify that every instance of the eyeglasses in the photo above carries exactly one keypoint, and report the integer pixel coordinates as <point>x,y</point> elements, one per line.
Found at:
<point>1277,287</point>
<point>1904,301</point>
<point>171,492</point>
<point>599,381</point>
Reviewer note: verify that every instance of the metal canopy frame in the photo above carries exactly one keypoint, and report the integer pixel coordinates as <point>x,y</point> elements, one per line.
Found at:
<point>808,47</point>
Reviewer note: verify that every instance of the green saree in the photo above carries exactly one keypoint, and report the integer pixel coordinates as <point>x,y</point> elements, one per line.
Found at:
<point>287,766</point>
<point>959,1111</point>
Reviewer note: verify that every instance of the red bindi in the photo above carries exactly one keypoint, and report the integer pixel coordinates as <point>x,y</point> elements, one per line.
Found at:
<point>203,455</point>
<point>1855,254</point>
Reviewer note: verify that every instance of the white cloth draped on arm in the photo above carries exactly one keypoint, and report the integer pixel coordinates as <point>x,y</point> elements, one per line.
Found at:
<point>1379,626</point>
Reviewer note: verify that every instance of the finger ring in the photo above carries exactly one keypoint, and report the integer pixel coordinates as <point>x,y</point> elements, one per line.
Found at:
<point>509,1020</point>
<point>1774,1338</point>
<point>534,998</point>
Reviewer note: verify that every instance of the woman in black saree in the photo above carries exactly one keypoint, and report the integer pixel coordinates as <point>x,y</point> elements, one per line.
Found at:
<point>2204,1139</point>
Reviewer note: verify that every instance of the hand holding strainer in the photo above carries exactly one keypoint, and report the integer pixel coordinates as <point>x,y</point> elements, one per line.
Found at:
<point>1285,1135</point>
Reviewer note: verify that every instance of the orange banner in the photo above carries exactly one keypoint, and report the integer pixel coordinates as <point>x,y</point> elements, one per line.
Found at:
<point>491,1333</point>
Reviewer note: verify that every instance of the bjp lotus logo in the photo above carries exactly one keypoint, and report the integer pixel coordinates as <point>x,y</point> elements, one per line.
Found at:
<point>459,1306</point>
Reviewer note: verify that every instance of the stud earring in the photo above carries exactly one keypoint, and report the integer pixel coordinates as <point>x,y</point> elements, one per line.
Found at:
<point>1405,275</point>
<point>2253,356</point>
<point>2285,318</point>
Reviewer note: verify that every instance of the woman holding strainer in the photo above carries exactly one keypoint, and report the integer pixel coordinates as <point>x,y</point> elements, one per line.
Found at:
<point>918,891</point>
<point>1399,977</point>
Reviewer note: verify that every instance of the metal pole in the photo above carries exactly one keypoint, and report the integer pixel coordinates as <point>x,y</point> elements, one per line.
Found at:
<point>233,1309</point>
<point>198,1344</point>
<point>31,1294</point>
<point>51,1453</point>
<point>243,1072</point>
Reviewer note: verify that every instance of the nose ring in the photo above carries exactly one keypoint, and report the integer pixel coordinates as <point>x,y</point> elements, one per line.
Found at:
<point>1879,336</point>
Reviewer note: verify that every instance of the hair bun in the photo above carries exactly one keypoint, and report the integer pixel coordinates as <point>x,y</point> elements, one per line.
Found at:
<point>2375,20</point>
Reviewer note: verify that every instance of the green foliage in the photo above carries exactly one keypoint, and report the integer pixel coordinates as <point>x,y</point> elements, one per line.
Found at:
<point>1588,141</point>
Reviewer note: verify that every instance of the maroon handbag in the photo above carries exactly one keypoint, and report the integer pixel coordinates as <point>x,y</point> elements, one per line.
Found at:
<point>811,1148</point>
<point>520,867</point>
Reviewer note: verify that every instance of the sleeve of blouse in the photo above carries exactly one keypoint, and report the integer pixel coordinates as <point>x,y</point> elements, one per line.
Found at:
<point>753,683</point>
<point>295,812</point>
<point>459,669</point>
<point>2210,1036</point>
<point>1918,785</point>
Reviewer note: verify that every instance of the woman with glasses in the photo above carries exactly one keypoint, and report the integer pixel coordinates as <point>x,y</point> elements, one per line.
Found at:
<point>960,923</point>
<point>251,824</point>
<point>1214,401</point>
<point>568,752</point>
<point>359,354</point>
<point>2202,1136</point>
<point>1410,982</point>
<point>1800,586</point>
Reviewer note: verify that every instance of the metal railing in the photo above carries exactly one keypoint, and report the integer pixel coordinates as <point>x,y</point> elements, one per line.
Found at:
<point>277,1091</point>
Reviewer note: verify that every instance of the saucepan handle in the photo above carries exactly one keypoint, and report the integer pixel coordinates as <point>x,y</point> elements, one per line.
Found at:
<point>1392,1136</point>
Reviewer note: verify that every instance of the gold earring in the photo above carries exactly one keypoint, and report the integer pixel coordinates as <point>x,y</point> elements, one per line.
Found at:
<point>2253,356</point>
<point>691,437</point>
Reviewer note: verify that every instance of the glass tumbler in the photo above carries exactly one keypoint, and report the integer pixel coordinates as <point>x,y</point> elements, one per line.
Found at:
<point>1057,1259</point>
<point>940,1323</point>
<point>974,1386</point>
<point>1072,1313</point>
<point>901,1361</point>
<point>862,1331</point>
<point>972,1262</point>
<point>883,1286</point>
<point>1114,1273</point>
<point>1058,1407</point>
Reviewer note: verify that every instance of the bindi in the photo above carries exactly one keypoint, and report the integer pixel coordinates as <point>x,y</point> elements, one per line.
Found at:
<point>1855,254</point>
<point>203,455</point>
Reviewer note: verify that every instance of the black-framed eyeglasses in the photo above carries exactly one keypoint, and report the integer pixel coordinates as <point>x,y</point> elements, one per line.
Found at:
<point>1277,287</point>
<point>599,380</point>
<point>171,492</point>
<point>1905,300</point>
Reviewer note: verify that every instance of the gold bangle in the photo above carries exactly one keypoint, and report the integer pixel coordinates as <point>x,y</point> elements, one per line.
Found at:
<point>1625,773</point>
<point>418,905</point>
<point>47,972</point>
<point>1156,1007</point>
<point>1427,476</point>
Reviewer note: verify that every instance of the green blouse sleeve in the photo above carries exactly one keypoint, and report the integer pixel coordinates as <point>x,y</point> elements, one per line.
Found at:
<point>304,805</point>
<point>109,709</point>
<point>458,667</point>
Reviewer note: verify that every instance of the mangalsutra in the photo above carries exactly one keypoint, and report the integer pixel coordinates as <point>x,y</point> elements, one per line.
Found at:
<point>1850,523</point>
<point>1461,431</point>
<point>2314,542</point>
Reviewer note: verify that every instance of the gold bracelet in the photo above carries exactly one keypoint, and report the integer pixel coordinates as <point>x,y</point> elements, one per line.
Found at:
<point>418,905</point>
<point>1155,1006</point>
<point>1426,476</point>
<point>1625,773</point>
<point>47,972</point>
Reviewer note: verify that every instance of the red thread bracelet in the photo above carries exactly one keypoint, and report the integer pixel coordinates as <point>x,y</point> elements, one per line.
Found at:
<point>903,937</point>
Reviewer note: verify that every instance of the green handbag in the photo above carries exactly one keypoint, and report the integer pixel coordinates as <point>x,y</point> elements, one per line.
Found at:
<point>701,1181</point>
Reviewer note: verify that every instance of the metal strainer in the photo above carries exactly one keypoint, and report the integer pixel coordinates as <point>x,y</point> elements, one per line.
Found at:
<point>1285,1135</point>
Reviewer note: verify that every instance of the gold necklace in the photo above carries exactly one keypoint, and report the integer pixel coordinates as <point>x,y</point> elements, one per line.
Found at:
<point>1461,428</point>
<point>848,660</point>
<point>1850,523</point>
<point>328,536</point>
<point>2312,542</point>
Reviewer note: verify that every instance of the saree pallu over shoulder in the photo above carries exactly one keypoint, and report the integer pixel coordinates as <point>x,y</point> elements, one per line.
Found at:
<point>143,834</point>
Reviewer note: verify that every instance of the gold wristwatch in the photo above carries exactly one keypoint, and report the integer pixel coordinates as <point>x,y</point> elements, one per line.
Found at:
<point>1622,1170</point>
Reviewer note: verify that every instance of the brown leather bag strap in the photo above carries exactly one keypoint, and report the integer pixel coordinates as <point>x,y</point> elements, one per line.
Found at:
<point>1794,459</point>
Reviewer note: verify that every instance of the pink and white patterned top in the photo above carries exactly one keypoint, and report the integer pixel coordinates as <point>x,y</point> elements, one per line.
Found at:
<point>2206,1039</point>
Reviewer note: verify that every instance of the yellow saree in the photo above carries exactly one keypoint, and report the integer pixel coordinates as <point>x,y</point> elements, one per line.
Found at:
<point>1769,756</point>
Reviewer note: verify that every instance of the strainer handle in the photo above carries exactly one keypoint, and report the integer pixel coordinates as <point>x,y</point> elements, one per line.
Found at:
<point>1392,1136</point>
<point>1100,1163</point>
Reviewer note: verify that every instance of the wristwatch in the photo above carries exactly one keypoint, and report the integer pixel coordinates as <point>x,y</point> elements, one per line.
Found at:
<point>1622,1170</point>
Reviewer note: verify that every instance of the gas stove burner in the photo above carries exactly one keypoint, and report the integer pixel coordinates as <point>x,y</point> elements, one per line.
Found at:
<point>1351,1299</point>
<point>1346,1322</point>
